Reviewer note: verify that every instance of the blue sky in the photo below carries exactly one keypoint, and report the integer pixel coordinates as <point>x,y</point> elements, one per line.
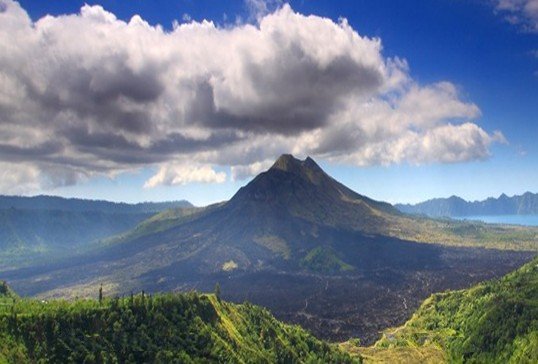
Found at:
<point>470,44</point>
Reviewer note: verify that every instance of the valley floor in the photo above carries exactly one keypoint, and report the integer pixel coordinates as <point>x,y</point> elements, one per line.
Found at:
<point>336,307</point>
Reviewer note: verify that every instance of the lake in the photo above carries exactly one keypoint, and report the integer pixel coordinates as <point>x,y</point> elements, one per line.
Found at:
<point>526,220</point>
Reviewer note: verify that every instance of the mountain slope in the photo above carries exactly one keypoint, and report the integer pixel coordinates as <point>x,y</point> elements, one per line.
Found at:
<point>493,322</point>
<point>45,227</point>
<point>303,190</point>
<point>294,193</point>
<point>184,328</point>
<point>300,243</point>
<point>23,232</point>
<point>526,204</point>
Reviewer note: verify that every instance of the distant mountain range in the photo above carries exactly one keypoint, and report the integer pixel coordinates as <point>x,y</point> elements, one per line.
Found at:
<point>42,202</point>
<point>526,204</point>
<point>298,242</point>
<point>45,227</point>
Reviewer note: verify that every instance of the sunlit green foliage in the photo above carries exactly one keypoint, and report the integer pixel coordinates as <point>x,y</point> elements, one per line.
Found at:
<point>494,322</point>
<point>183,328</point>
<point>324,260</point>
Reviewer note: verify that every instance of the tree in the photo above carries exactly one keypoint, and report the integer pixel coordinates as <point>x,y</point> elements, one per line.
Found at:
<point>101,294</point>
<point>217,291</point>
<point>4,288</point>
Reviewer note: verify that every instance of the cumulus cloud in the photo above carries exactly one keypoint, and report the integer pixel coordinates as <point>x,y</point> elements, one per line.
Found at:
<point>243,172</point>
<point>260,8</point>
<point>22,178</point>
<point>520,12</point>
<point>114,96</point>
<point>18,179</point>
<point>171,175</point>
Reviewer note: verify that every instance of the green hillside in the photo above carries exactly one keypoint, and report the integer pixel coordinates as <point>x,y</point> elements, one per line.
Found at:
<point>324,260</point>
<point>27,235</point>
<point>162,221</point>
<point>183,328</point>
<point>493,322</point>
<point>37,229</point>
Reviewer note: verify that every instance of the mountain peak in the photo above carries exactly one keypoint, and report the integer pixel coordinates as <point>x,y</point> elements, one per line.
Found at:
<point>288,163</point>
<point>303,187</point>
<point>310,163</point>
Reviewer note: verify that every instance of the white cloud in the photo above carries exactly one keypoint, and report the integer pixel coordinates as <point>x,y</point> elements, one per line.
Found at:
<point>23,178</point>
<point>114,96</point>
<point>186,17</point>
<point>243,172</point>
<point>19,179</point>
<point>260,8</point>
<point>520,12</point>
<point>173,174</point>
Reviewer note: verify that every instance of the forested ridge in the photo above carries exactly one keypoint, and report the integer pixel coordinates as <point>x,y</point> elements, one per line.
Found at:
<point>165,328</point>
<point>493,322</point>
<point>36,230</point>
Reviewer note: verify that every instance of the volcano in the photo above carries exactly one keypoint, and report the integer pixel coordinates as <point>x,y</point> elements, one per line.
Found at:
<point>296,241</point>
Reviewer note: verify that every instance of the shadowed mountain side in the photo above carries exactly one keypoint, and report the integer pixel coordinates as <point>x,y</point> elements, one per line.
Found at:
<point>31,236</point>
<point>42,228</point>
<point>388,281</point>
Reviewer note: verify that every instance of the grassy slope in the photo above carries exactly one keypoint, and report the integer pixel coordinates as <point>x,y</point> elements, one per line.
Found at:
<point>466,233</point>
<point>324,260</point>
<point>27,235</point>
<point>161,222</point>
<point>493,322</point>
<point>164,328</point>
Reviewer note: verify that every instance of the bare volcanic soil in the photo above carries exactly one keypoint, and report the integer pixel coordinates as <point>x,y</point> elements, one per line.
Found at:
<point>389,281</point>
<point>362,303</point>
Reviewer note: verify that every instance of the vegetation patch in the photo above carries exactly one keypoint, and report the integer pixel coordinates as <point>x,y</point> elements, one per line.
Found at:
<point>426,354</point>
<point>160,222</point>
<point>464,233</point>
<point>275,244</point>
<point>183,328</point>
<point>324,260</point>
<point>229,266</point>
<point>493,322</point>
<point>6,293</point>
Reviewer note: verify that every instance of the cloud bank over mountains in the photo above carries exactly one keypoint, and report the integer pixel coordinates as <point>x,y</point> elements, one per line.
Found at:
<point>88,94</point>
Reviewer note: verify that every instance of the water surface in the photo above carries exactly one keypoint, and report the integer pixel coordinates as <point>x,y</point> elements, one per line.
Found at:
<point>525,220</point>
